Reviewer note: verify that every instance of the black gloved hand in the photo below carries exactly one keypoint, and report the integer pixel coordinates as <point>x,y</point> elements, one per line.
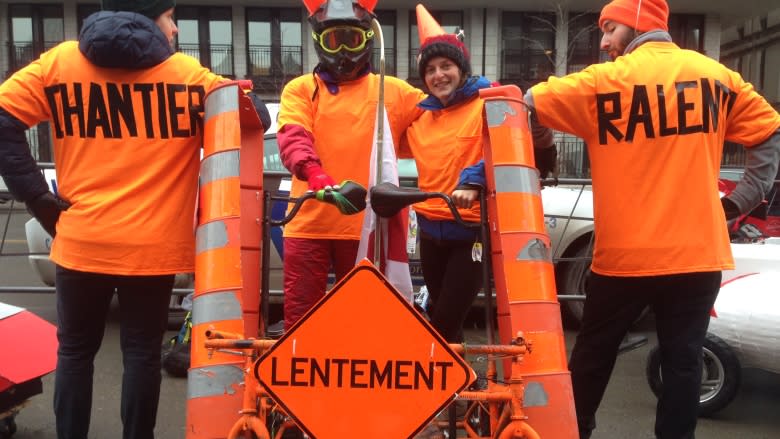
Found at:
<point>546,159</point>
<point>46,208</point>
<point>729,208</point>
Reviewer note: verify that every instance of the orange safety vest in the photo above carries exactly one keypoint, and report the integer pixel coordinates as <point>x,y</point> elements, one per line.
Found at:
<point>343,127</point>
<point>654,122</point>
<point>443,143</point>
<point>126,148</point>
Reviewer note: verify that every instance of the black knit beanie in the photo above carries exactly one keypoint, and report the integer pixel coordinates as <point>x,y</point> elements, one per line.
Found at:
<point>150,8</point>
<point>448,46</point>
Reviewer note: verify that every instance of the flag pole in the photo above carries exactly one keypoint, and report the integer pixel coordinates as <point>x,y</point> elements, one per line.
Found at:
<point>380,133</point>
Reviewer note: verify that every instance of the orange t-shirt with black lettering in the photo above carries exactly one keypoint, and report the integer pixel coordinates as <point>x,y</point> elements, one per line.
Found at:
<point>126,150</point>
<point>343,126</point>
<point>654,122</point>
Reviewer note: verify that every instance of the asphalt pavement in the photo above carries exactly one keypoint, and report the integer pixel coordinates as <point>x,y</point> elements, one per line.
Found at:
<point>627,411</point>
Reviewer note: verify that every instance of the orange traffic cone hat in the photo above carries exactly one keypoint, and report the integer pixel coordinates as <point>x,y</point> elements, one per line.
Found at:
<point>426,25</point>
<point>434,41</point>
<point>313,5</point>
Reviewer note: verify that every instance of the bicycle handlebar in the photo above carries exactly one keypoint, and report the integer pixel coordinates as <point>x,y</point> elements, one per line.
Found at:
<point>349,197</point>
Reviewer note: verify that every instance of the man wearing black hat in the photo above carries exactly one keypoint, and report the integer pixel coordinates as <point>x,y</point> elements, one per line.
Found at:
<point>125,112</point>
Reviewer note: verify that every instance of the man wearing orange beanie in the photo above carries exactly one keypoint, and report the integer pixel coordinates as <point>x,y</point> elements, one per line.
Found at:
<point>660,116</point>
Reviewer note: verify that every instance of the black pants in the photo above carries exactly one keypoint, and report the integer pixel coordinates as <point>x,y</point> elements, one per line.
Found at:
<point>682,305</point>
<point>83,301</point>
<point>453,280</point>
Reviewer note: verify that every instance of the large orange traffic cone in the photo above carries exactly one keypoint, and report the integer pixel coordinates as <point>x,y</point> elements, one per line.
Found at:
<point>227,260</point>
<point>522,264</point>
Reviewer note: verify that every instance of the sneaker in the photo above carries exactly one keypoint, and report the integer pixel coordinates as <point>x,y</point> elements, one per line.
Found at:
<point>177,361</point>
<point>176,352</point>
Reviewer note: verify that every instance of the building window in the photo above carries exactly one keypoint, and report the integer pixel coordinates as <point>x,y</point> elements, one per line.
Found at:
<point>83,11</point>
<point>527,47</point>
<point>450,21</point>
<point>687,31</point>
<point>34,30</point>
<point>584,42</point>
<point>387,20</point>
<point>206,33</point>
<point>275,49</point>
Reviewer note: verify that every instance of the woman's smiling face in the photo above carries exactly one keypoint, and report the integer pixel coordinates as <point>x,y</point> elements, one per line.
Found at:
<point>442,77</point>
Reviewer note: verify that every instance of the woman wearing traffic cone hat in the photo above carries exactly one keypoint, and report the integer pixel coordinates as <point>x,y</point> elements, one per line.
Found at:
<point>450,127</point>
<point>446,142</point>
<point>446,139</point>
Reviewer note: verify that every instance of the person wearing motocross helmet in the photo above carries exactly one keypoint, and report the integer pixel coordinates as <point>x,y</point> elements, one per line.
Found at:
<point>655,120</point>
<point>344,39</point>
<point>326,130</point>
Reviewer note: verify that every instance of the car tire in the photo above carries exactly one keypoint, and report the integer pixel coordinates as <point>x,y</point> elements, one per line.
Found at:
<point>721,375</point>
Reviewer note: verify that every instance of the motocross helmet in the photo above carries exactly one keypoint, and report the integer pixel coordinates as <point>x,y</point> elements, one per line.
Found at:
<point>342,35</point>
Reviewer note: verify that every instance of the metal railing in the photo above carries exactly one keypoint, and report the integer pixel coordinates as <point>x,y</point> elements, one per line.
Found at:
<point>390,67</point>
<point>23,53</point>
<point>413,62</point>
<point>220,56</point>
<point>280,62</point>
<point>526,64</point>
<point>573,159</point>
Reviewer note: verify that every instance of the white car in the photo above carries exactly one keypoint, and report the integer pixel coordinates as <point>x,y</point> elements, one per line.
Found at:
<point>744,328</point>
<point>568,213</point>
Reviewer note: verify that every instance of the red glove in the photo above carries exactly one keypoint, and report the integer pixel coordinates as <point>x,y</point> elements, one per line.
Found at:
<point>316,177</point>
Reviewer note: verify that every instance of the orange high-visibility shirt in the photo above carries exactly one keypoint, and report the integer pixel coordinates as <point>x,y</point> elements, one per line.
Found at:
<point>443,143</point>
<point>343,128</point>
<point>126,149</point>
<point>654,122</point>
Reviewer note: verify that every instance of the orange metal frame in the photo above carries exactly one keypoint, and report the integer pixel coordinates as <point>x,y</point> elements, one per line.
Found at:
<point>503,402</point>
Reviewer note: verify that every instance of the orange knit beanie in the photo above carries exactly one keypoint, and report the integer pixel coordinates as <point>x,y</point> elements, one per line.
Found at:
<point>642,15</point>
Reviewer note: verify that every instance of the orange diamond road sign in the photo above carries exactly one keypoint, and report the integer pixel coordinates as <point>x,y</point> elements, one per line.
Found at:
<point>363,363</point>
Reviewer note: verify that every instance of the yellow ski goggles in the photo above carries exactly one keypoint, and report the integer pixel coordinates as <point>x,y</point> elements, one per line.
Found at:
<point>351,38</point>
